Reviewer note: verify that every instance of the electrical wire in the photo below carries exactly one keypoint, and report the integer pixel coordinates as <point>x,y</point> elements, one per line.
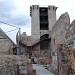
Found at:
<point>11,30</point>
<point>9,24</point>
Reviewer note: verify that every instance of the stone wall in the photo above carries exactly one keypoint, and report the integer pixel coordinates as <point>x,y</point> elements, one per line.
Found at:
<point>58,31</point>
<point>6,47</point>
<point>6,44</point>
<point>15,65</point>
<point>63,33</point>
<point>58,36</point>
<point>70,35</point>
<point>8,69</point>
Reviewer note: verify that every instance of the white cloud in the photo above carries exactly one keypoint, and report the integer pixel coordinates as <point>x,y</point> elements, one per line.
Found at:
<point>63,6</point>
<point>70,5</point>
<point>17,11</point>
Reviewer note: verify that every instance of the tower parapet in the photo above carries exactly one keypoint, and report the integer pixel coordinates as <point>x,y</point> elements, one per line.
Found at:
<point>52,8</point>
<point>33,7</point>
<point>42,18</point>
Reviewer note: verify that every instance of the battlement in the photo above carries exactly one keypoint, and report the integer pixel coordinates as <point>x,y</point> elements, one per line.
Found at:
<point>52,8</point>
<point>36,7</point>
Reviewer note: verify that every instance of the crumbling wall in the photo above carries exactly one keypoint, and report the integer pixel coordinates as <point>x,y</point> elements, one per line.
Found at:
<point>62,68</point>
<point>58,31</point>
<point>65,60</point>
<point>70,35</point>
<point>58,36</point>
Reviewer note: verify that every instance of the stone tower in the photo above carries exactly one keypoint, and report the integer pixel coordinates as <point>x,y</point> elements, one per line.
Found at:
<point>42,19</point>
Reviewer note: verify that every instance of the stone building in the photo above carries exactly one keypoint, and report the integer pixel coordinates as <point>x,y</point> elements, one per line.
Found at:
<point>30,48</point>
<point>38,44</point>
<point>47,34</point>
<point>10,63</point>
<point>29,45</point>
<point>7,46</point>
<point>62,32</point>
<point>59,30</point>
<point>63,45</point>
<point>42,21</point>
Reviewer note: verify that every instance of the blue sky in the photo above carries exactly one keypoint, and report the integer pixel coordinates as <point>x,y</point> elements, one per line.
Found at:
<point>16,12</point>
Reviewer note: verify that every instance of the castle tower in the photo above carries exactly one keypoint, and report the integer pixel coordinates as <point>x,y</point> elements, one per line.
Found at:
<point>42,19</point>
<point>35,27</point>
